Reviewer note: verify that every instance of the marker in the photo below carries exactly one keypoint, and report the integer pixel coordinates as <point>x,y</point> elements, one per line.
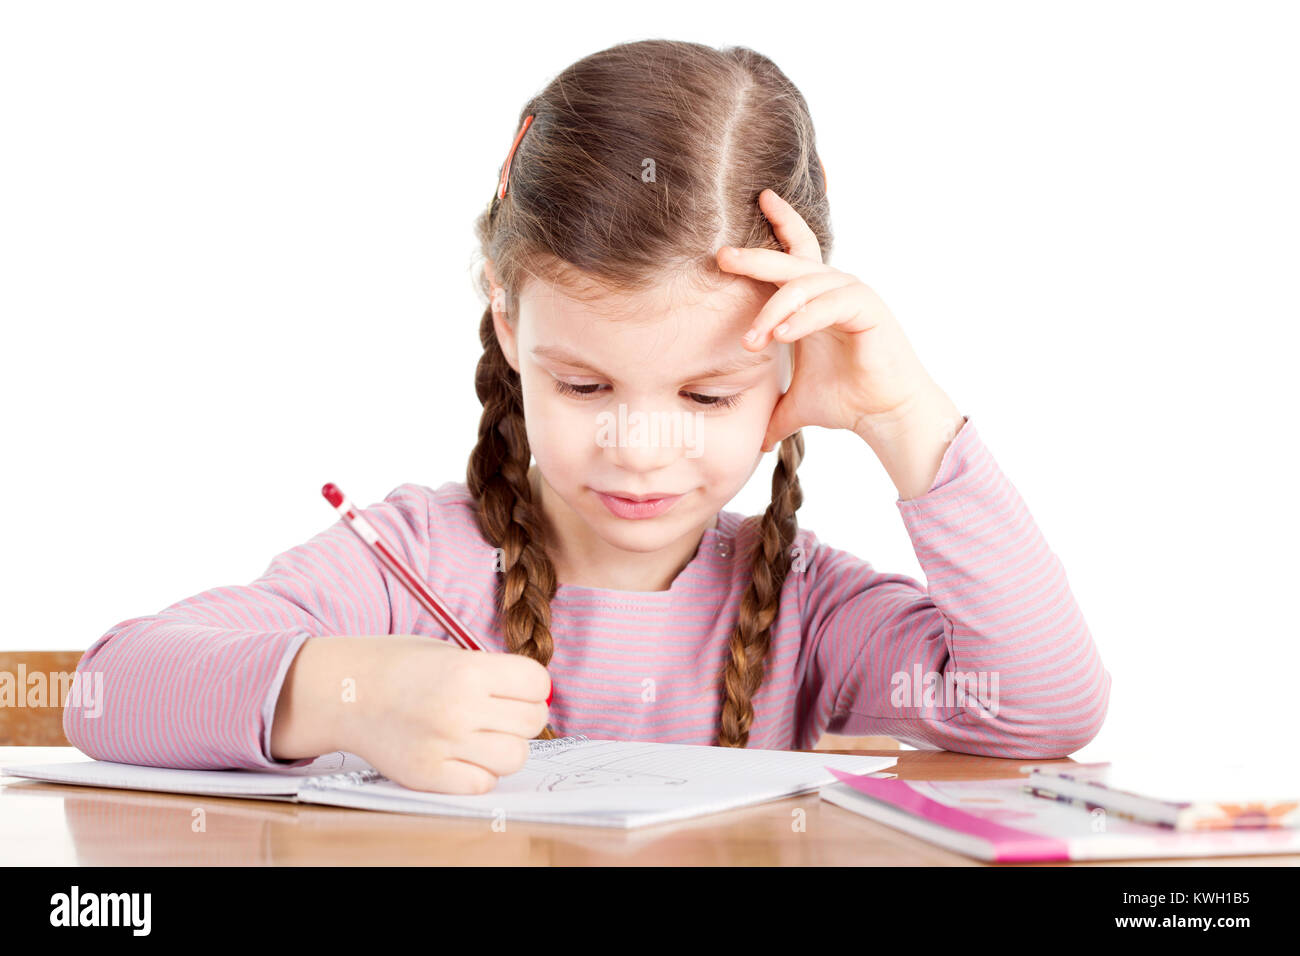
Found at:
<point>402,571</point>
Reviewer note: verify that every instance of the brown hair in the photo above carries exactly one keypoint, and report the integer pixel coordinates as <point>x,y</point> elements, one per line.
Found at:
<point>640,162</point>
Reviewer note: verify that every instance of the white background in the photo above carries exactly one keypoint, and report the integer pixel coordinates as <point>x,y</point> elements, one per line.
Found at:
<point>236,263</point>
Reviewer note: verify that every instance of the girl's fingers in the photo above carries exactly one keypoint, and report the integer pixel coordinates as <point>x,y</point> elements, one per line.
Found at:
<point>497,753</point>
<point>841,308</point>
<point>516,677</point>
<point>789,299</point>
<point>766,265</point>
<point>790,228</point>
<point>456,776</point>
<point>520,717</point>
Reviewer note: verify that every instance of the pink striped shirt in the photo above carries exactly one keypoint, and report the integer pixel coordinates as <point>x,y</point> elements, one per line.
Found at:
<point>195,685</point>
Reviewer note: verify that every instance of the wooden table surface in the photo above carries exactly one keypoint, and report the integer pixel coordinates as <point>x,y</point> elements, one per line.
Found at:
<point>46,824</point>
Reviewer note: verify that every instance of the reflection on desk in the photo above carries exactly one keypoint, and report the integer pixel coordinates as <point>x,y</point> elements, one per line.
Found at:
<point>57,824</point>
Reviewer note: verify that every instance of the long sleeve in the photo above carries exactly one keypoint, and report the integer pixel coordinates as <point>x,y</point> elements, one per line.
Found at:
<point>993,658</point>
<point>195,686</point>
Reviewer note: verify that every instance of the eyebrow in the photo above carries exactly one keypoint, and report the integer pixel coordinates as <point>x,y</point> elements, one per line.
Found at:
<point>727,368</point>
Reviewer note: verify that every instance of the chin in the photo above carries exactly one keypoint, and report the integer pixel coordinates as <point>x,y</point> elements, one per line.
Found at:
<point>637,542</point>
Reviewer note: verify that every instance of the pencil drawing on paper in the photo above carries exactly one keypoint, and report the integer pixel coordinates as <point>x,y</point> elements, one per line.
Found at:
<point>574,776</point>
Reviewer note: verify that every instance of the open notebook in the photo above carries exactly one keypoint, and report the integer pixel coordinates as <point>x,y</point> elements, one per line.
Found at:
<point>575,780</point>
<point>998,820</point>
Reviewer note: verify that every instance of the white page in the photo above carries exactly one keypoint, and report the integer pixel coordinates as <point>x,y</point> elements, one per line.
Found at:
<point>107,773</point>
<point>623,781</point>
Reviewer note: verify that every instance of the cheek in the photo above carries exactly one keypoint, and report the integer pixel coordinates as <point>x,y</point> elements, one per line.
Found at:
<point>730,443</point>
<point>559,429</point>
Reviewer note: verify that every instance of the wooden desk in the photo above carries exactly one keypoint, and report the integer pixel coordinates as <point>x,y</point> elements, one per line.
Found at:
<point>61,825</point>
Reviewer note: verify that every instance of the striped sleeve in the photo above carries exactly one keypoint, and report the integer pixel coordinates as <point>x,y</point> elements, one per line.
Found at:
<point>993,658</point>
<point>195,686</point>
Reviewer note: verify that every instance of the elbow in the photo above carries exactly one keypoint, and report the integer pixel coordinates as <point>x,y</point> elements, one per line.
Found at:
<point>74,730</point>
<point>84,704</point>
<point>1071,731</point>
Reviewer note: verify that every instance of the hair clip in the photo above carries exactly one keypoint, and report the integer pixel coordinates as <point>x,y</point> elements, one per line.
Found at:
<point>505,170</point>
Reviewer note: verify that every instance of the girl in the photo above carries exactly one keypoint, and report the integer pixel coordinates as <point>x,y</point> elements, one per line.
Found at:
<point>655,249</point>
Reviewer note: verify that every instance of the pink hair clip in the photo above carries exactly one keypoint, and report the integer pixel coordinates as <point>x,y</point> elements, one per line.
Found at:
<point>505,170</point>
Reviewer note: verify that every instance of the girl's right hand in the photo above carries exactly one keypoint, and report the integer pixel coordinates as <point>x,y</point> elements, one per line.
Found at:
<point>434,716</point>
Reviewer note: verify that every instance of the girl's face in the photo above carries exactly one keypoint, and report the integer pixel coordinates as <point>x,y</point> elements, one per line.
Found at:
<point>668,402</point>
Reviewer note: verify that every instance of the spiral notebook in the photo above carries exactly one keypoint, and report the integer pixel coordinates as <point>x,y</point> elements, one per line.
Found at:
<point>573,780</point>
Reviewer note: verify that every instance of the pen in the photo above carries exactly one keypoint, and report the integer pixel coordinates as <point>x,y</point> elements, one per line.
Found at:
<point>394,562</point>
<point>1088,805</point>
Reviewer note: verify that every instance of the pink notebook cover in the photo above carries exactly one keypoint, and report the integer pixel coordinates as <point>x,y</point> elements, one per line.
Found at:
<point>1018,827</point>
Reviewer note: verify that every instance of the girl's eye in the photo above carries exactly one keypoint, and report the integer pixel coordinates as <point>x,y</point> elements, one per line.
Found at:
<point>716,401</point>
<point>708,401</point>
<point>564,388</point>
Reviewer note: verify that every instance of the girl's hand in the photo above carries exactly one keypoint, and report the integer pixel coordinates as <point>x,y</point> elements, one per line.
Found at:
<point>433,716</point>
<point>853,367</point>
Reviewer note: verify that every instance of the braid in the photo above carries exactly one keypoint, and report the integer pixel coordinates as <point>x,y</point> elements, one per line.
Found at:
<point>497,476</point>
<point>743,672</point>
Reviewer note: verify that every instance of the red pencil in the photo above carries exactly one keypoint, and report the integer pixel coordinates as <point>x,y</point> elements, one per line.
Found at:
<point>402,571</point>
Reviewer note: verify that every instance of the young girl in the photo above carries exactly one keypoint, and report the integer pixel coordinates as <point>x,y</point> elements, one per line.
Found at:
<point>655,249</point>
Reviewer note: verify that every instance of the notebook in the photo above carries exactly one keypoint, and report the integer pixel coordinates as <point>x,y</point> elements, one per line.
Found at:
<point>573,780</point>
<point>998,821</point>
<point>1181,794</point>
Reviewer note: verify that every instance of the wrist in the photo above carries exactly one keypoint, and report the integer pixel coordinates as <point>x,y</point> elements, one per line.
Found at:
<point>319,704</point>
<point>926,406</point>
<point>911,441</point>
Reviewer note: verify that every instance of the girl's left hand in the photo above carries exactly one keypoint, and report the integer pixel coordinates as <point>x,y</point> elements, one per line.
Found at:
<point>853,367</point>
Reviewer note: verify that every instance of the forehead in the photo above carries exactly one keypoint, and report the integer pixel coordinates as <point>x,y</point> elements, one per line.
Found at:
<point>668,322</point>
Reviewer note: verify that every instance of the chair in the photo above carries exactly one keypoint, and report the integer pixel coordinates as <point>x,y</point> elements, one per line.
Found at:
<point>26,726</point>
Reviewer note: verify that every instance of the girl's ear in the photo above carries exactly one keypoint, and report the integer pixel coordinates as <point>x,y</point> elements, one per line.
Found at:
<point>500,322</point>
<point>496,294</point>
<point>506,338</point>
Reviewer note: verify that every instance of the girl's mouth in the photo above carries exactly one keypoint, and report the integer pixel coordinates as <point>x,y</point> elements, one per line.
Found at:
<point>626,508</point>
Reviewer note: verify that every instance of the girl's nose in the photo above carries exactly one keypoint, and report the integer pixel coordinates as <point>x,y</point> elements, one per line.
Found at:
<point>651,441</point>
<point>638,456</point>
